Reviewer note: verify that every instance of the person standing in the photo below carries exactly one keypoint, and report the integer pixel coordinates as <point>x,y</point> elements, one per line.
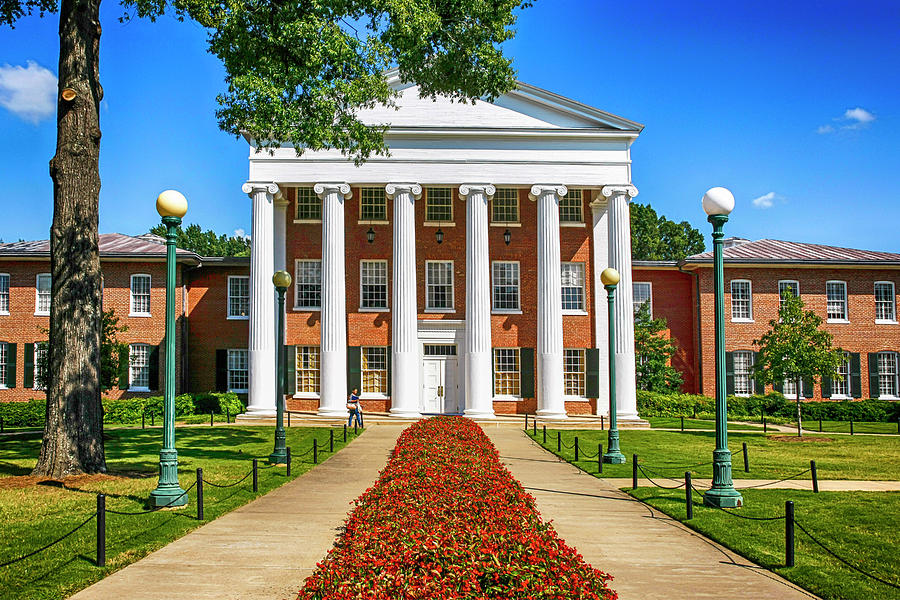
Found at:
<point>355,408</point>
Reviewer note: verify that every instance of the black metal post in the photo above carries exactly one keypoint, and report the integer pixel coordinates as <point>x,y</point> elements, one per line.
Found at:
<point>255,475</point>
<point>559,441</point>
<point>789,533</point>
<point>682,422</point>
<point>288,462</point>
<point>851,426</point>
<point>815,476</point>
<point>331,440</point>
<point>601,422</point>
<point>534,426</point>
<point>345,434</point>
<point>315,451</point>
<point>764,424</point>
<point>576,448</point>
<point>545,432</point>
<point>289,418</point>
<point>688,501</point>
<point>143,420</point>
<point>746,459</point>
<point>634,469</point>
<point>1,425</point>
<point>228,415</point>
<point>152,419</point>
<point>210,418</point>
<point>599,458</point>
<point>526,422</point>
<point>820,424</point>
<point>199,494</point>
<point>101,530</point>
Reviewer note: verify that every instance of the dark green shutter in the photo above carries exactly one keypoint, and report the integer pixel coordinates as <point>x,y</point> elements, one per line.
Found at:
<point>354,368</point>
<point>826,387</point>
<point>221,370</point>
<point>389,374</point>
<point>28,381</point>
<point>873,374</point>
<point>124,357</point>
<point>778,386</point>
<point>729,373</point>
<point>290,370</point>
<point>855,377</point>
<point>526,372</point>
<point>808,388</point>
<point>10,365</point>
<point>154,368</point>
<point>592,372</point>
<point>759,387</point>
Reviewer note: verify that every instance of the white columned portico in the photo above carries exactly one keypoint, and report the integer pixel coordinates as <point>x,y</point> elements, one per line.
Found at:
<point>333,341</point>
<point>620,259</point>
<point>478,360</point>
<point>261,392</point>
<point>600,258</point>
<point>404,326</point>
<point>550,401</point>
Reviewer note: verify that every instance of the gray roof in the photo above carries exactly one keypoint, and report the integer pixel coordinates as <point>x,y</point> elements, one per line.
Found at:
<point>112,245</point>
<point>780,251</point>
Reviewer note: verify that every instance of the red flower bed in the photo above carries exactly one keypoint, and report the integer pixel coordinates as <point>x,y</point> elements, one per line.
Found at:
<point>447,520</point>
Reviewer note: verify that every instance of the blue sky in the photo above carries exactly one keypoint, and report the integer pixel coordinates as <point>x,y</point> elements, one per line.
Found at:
<point>792,105</point>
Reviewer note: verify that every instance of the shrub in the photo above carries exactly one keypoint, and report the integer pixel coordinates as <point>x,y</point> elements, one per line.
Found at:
<point>24,414</point>
<point>217,402</point>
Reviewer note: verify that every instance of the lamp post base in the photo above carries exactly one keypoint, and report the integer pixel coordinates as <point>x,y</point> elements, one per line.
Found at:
<point>168,496</point>
<point>279,454</point>
<point>723,498</point>
<point>614,458</point>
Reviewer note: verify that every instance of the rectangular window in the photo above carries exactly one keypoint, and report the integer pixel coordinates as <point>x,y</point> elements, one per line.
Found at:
<point>308,369</point>
<point>238,371</point>
<point>836,298</point>
<point>741,300</point>
<point>438,204</point>
<point>374,370</point>
<point>840,385</point>
<point>572,278</point>
<point>372,204</point>
<point>743,383</point>
<point>439,285</point>
<point>887,374</point>
<point>573,372</point>
<point>373,284</point>
<point>139,361</point>
<point>790,390</point>
<point>140,295</point>
<point>309,207</point>
<point>788,286</point>
<point>440,350</point>
<point>40,365</point>
<point>505,285</point>
<point>506,371</point>
<point>4,294</point>
<point>570,208</point>
<point>238,297</point>
<point>505,206</point>
<point>641,294</point>
<point>884,302</point>
<point>42,302</point>
<point>4,357</point>
<point>308,284</point>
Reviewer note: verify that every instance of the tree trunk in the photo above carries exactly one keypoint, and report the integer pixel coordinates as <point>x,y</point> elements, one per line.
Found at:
<point>73,433</point>
<point>799,421</point>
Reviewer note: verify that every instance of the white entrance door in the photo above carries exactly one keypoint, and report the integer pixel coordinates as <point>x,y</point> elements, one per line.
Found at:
<point>440,391</point>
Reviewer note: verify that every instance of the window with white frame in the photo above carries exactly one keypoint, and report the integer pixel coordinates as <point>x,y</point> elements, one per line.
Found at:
<point>790,388</point>
<point>572,279</point>
<point>438,204</point>
<point>4,294</point>
<point>505,206</point>
<point>788,287</point>
<point>741,300</point>
<point>573,372</point>
<point>641,294</point>
<point>887,374</point>
<point>840,385</point>
<point>42,300</point>
<point>238,370</point>
<point>372,204</point>
<point>309,207</point>
<point>40,365</point>
<point>373,284</point>
<point>505,277</point>
<point>308,284</point>
<point>307,369</point>
<point>836,300</point>
<point>139,363</point>
<point>439,285</point>
<point>885,308</point>
<point>140,294</point>
<point>374,370</point>
<point>238,297</point>
<point>743,383</point>
<point>506,372</point>
<point>4,357</point>
<point>570,208</point>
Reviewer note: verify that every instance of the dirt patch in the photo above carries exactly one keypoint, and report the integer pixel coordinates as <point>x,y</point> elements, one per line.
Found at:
<point>805,438</point>
<point>24,481</point>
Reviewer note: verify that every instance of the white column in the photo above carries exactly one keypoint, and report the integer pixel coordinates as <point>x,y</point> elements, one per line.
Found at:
<point>479,362</point>
<point>600,260</point>
<point>261,396</point>
<point>404,332</point>
<point>550,400</point>
<point>333,342</point>
<point>620,259</point>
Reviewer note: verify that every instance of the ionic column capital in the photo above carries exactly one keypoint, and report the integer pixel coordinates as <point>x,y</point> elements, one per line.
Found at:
<point>252,187</point>
<point>609,191</point>
<point>467,189</point>
<point>539,189</point>
<point>321,189</point>
<point>392,189</point>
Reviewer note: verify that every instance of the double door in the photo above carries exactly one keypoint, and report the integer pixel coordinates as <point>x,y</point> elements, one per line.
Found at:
<point>440,388</point>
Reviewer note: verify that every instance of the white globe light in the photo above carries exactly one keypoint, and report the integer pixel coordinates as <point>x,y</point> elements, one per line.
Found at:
<point>718,201</point>
<point>171,203</point>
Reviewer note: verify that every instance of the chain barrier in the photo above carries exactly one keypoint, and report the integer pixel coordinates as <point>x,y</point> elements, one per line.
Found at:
<point>238,482</point>
<point>656,484</point>
<point>759,485</point>
<point>155,508</point>
<point>734,514</point>
<point>51,544</point>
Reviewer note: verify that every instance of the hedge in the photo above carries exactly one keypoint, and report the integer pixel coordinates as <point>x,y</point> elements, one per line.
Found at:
<point>773,404</point>
<point>127,410</point>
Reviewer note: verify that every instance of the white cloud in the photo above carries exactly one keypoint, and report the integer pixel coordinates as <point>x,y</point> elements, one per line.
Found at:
<point>860,115</point>
<point>766,200</point>
<point>824,129</point>
<point>853,118</point>
<point>28,92</point>
<point>240,233</point>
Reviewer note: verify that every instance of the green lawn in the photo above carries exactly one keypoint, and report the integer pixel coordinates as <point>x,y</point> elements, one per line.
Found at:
<point>35,515</point>
<point>861,527</point>
<point>671,453</point>
<point>844,426</point>
<point>675,423</point>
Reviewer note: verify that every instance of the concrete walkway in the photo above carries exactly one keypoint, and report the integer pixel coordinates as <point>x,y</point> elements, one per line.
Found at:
<point>265,549</point>
<point>649,554</point>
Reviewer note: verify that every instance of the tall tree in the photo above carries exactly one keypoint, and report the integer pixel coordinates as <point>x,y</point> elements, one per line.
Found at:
<point>296,72</point>
<point>795,349</point>
<point>654,237</point>
<point>653,354</point>
<point>207,243</point>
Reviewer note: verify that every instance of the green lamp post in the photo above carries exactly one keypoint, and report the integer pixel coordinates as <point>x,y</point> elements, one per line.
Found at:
<point>718,203</point>
<point>171,206</point>
<point>610,278</point>
<point>282,281</point>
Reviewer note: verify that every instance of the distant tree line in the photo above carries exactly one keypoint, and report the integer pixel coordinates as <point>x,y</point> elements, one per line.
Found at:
<point>654,237</point>
<point>207,243</point>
